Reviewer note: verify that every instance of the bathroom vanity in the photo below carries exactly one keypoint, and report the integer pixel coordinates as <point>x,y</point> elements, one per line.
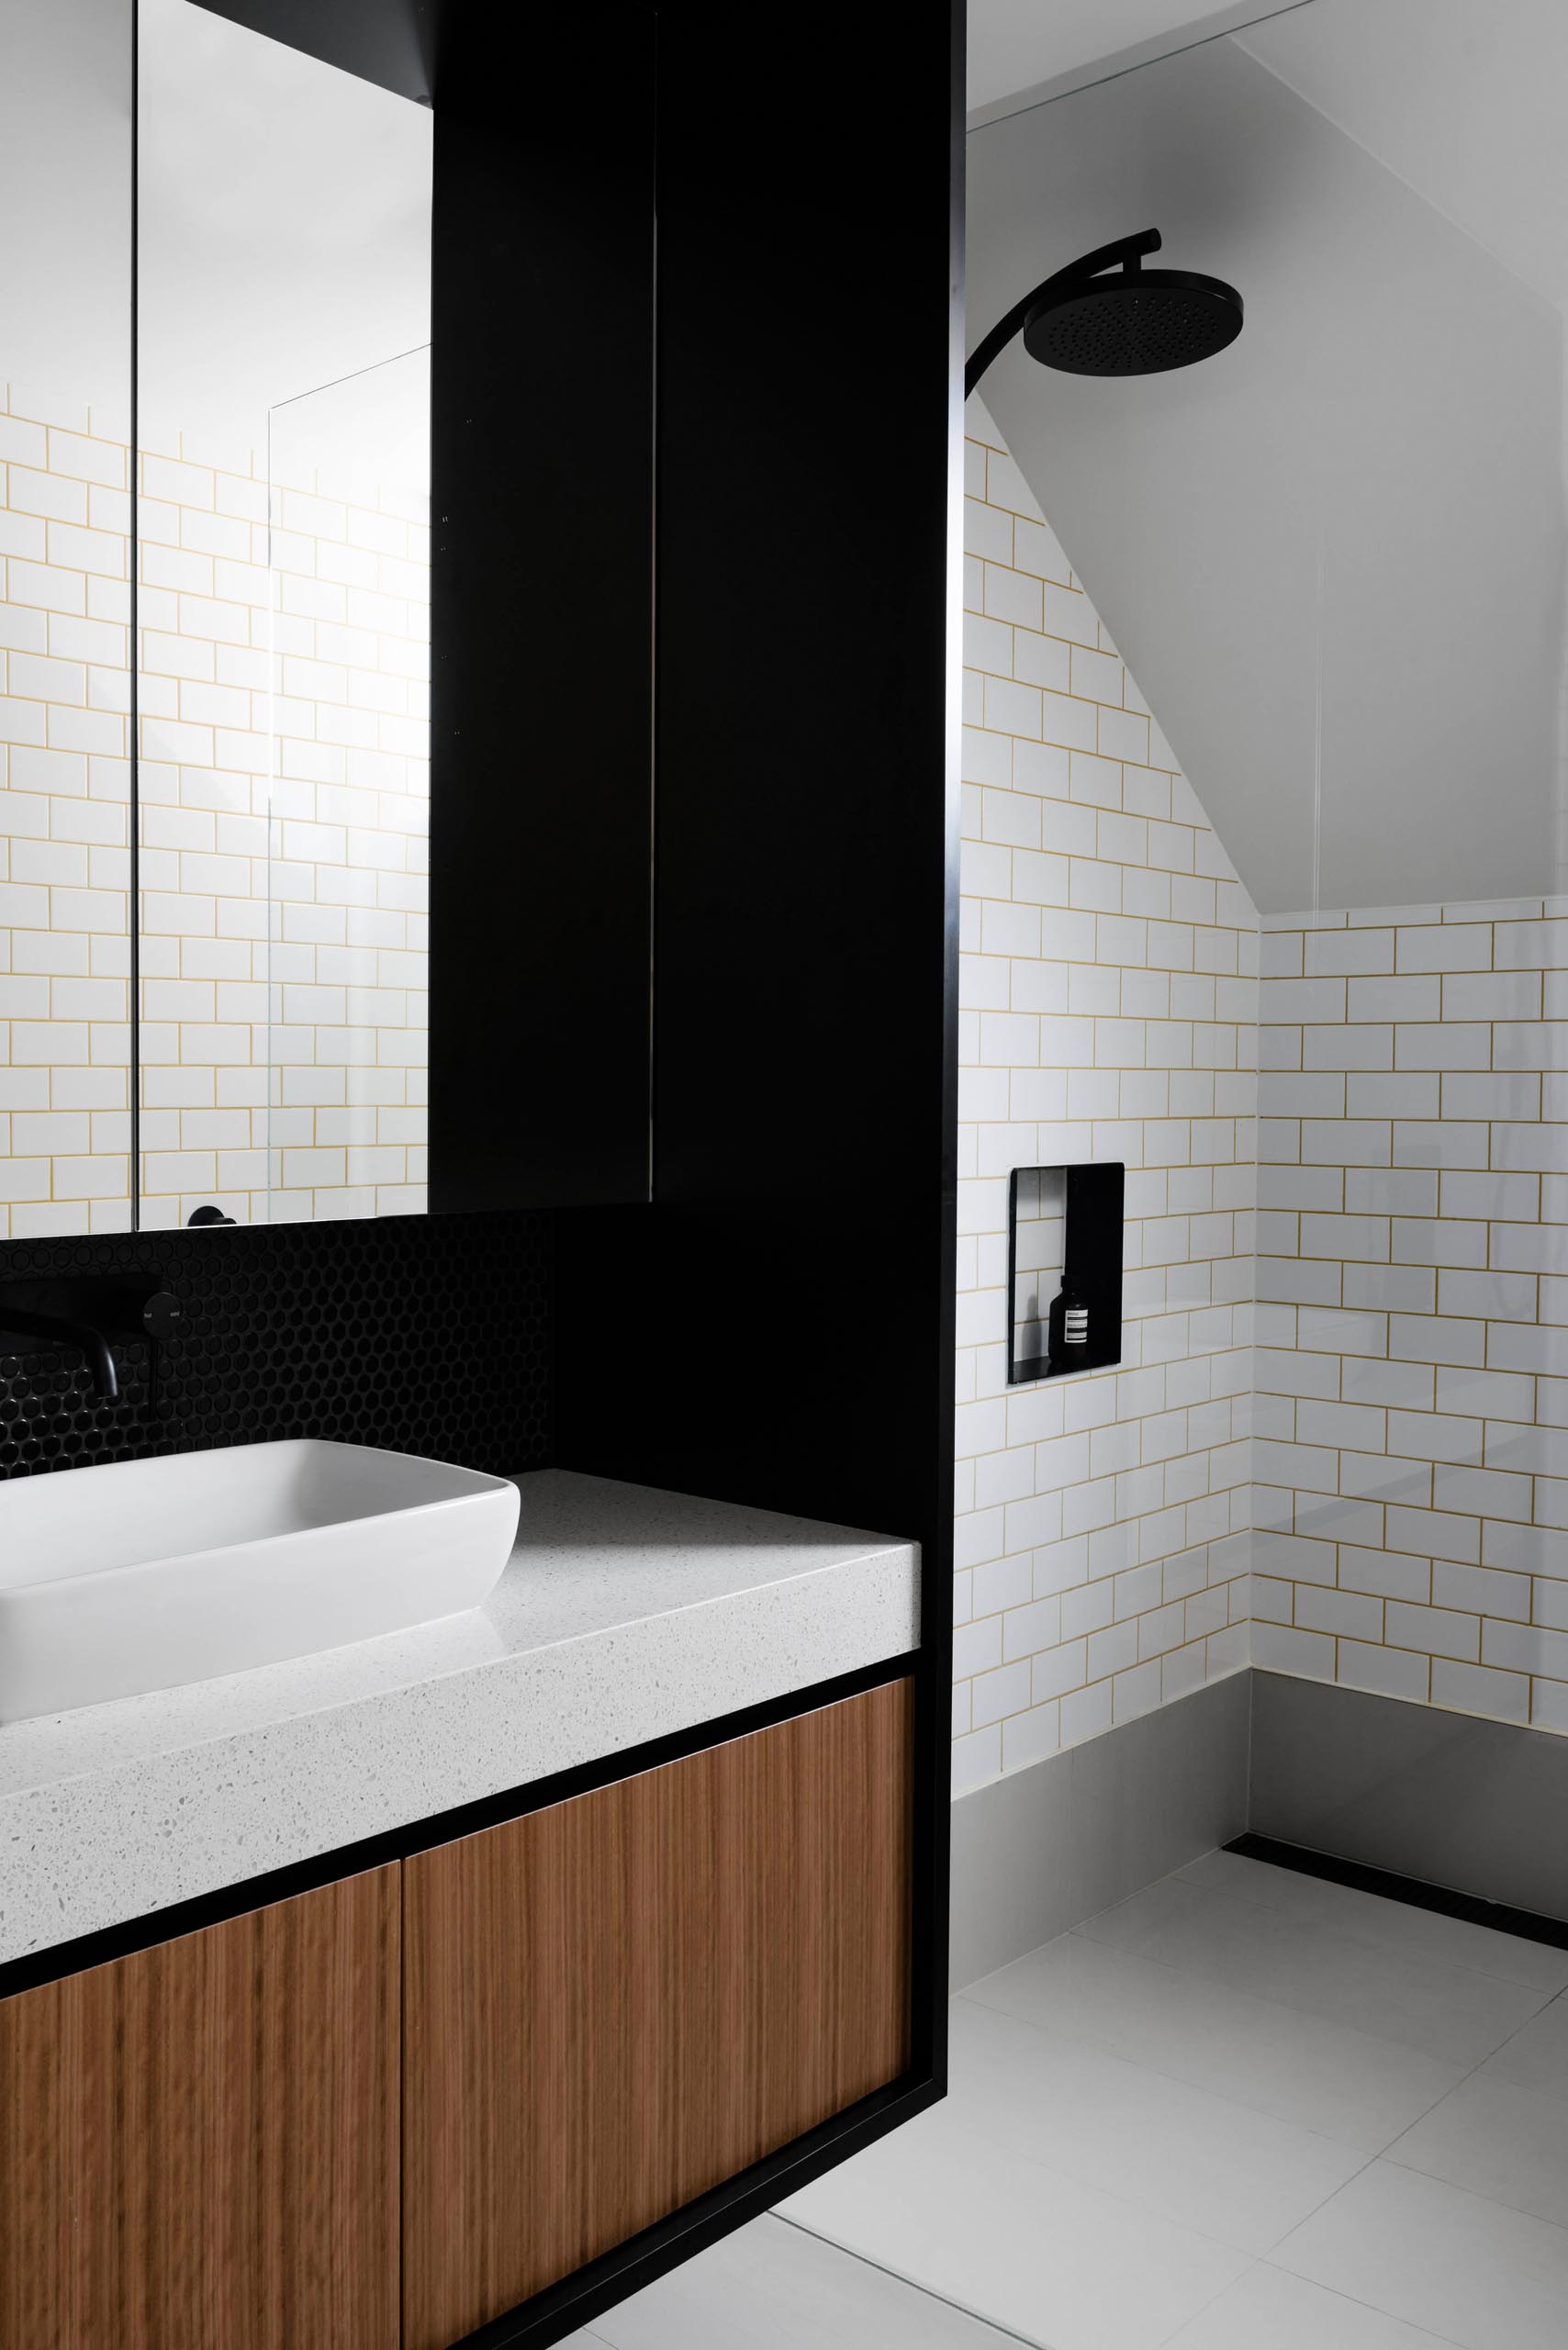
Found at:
<point>577,1907</point>
<point>450,1985</point>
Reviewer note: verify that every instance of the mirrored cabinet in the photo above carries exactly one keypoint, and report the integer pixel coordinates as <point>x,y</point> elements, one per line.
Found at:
<point>282,616</point>
<point>221,403</point>
<point>66,833</point>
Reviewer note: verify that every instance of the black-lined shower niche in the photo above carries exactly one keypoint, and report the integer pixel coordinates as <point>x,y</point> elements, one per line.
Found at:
<point>1064,1247</point>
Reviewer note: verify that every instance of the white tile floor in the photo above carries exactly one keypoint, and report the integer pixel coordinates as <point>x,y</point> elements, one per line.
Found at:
<point>774,2287</point>
<point>1244,2110</point>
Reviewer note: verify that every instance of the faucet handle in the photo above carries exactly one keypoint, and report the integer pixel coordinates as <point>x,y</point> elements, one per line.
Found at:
<point>161,1313</point>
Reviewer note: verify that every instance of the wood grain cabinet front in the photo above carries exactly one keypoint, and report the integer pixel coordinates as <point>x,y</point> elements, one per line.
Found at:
<point>198,2143</point>
<point>378,2115</point>
<point>616,2004</point>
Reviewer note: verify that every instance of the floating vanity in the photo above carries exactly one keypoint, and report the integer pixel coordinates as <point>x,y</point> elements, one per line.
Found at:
<point>423,1973</point>
<point>424,1978</point>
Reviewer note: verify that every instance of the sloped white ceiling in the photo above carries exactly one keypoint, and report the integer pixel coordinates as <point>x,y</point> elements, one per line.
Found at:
<point>1333,555</point>
<point>1463,98</point>
<point>1013,44</point>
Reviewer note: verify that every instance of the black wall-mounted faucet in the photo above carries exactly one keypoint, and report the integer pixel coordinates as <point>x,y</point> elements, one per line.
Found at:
<point>90,1314</point>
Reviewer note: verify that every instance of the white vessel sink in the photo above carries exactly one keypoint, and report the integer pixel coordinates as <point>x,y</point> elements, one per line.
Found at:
<point>152,1573</point>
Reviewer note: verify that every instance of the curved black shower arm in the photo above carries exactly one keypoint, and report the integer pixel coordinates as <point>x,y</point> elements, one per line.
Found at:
<point>1129,250</point>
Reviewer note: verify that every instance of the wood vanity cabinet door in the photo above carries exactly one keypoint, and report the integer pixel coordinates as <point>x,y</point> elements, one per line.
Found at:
<point>198,2143</point>
<point>616,2004</point>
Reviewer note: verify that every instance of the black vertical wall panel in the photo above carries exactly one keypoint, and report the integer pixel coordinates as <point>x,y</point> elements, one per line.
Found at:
<point>778,1327</point>
<point>541,605</point>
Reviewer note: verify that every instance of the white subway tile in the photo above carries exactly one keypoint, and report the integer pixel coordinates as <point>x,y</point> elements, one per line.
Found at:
<point>1433,1631</point>
<point>1385,1575</point>
<point>1342,951</point>
<point>1495,1296</point>
<point>1385,1671</point>
<point>1279,1649</point>
<point>1493,1096</point>
<point>1444,1146</point>
<point>1447,946</point>
<point>1526,1648</point>
<point>1529,945</point>
<point>1407,999</point>
<point>1498,995</point>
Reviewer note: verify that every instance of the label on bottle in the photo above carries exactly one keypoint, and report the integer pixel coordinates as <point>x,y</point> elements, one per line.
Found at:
<point>1077,1326</point>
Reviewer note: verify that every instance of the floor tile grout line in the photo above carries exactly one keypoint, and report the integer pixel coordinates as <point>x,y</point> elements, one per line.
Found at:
<point>1144,2212</point>
<point>1468,2075</point>
<point>1266,2259</point>
<point>1225,2097</point>
<point>1343,2189</point>
<point>1176,1967</point>
<point>1509,2210</point>
<point>1388,2155</point>
<point>1427,1894</point>
<point>1191,2317</point>
<point>1378,2154</point>
<point>1493,2203</point>
<point>1383,2153</point>
<point>1374,2308</point>
<point>1348,1933</point>
<point>1173,1966</point>
<point>1509,2043</point>
<point>1473,2195</point>
<point>1418,1908</point>
<point>1296,1926</point>
<point>960,2309</point>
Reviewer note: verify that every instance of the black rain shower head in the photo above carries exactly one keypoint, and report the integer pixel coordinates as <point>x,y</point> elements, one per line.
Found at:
<point>1106,315</point>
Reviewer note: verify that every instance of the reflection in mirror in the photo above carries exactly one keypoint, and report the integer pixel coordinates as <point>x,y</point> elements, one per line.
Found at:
<point>66,169</point>
<point>348,489</point>
<point>284,600</point>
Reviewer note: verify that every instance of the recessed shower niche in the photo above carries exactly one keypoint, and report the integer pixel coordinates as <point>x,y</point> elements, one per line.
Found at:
<point>1064,1269</point>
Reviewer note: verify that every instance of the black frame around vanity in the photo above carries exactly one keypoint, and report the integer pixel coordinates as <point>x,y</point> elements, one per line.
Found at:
<point>709,748</point>
<point>563,2308</point>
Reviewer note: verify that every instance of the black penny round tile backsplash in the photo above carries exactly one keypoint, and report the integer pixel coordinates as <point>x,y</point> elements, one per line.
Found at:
<point>422,1334</point>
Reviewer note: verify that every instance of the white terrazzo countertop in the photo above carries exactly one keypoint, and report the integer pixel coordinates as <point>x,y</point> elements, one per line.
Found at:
<point>624,1614</point>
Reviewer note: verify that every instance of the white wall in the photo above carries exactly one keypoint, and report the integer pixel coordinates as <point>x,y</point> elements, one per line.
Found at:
<point>1392,411</point>
<point>1110,1008</point>
<point>1462,103</point>
<point>1412,1452</point>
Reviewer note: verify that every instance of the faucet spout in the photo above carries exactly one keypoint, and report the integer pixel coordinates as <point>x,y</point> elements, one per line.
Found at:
<point>65,1331</point>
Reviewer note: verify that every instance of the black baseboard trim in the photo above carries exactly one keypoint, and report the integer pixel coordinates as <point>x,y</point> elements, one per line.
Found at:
<point>1414,1891</point>
<point>562,2308</point>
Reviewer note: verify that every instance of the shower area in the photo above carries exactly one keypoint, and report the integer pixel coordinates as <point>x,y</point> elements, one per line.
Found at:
<point>1260,1931</point>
